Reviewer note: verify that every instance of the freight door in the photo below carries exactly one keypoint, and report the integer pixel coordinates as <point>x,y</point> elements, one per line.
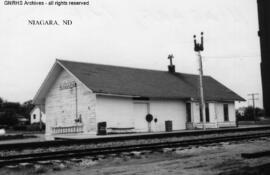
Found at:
<point>140,111</point>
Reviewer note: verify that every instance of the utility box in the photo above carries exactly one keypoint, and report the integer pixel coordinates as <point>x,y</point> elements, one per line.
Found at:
<point>168,125</point>
<point>102,128</point>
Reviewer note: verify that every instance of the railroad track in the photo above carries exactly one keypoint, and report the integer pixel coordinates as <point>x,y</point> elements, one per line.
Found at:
<point>58,155</point>
<point>56,143</point>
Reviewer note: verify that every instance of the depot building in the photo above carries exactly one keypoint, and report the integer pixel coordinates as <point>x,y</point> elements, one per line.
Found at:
<point>76,97</point>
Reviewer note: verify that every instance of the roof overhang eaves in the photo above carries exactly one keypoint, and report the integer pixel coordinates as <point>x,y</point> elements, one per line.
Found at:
<point>138,96</point>
<point>116,95</point>
<point>220,99</point>
<point>66,69</point>
<point>33,109</point>
<point>37,99</point>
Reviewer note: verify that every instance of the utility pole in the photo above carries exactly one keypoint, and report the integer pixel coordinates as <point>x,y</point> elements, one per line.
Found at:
<point>264,34</point>
<point>198,47</point>
<point>253,103</point>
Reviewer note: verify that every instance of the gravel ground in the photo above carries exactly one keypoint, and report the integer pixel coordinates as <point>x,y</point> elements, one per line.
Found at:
<point>121,143</point>
<point>223,158</point>
<point>38,137</point>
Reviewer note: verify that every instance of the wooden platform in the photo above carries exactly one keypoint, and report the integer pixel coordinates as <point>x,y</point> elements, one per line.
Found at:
<point>182,132</point>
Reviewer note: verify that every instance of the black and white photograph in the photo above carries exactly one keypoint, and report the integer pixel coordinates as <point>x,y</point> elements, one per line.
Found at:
<point>134,87</point>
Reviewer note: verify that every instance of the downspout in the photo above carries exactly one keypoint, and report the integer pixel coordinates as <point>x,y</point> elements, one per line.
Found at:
<point>40,122</point>
<point>76,107</point>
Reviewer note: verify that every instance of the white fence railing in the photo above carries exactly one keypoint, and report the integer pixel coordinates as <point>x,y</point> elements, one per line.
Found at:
<point>67,129</point>
<point>207,125</point>
<point>226,124</point>
<point>211,125</point>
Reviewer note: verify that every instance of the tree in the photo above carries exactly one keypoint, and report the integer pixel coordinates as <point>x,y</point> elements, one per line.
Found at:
<point>259,112</point>
<point>26,108</point>
<point>11,106</point>
<point>8,118</point>
<point>1,101</point>
<point>238,115</point>
<point>9,111</point>
<point>249,113</point>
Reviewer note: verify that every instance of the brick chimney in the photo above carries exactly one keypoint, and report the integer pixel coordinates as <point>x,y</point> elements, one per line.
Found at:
<point>171,67</point>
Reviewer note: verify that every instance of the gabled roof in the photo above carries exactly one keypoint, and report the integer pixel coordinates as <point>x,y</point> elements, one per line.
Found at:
<point>42,107</point>
<point>116,80</point>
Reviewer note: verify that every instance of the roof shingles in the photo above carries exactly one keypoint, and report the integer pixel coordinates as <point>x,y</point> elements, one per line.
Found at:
<point>146,83</point>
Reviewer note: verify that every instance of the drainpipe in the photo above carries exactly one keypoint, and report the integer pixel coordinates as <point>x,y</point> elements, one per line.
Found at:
<point>76,100</point>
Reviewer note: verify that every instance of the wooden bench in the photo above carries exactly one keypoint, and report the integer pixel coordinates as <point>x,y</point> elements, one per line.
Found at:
<point>120,130</point>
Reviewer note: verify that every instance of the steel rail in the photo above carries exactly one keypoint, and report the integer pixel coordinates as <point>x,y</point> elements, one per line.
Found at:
<point>255,154</point>
<point>45,144</point>
<point>55,155</point>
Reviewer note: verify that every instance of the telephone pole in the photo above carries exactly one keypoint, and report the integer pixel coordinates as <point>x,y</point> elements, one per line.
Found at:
<point>198,47</point>
<point>253,103</point>
<point>264,34</point>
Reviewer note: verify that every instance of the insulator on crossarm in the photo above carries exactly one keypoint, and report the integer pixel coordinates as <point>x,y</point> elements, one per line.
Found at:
<point>201,48</point>
<point>195,43</point>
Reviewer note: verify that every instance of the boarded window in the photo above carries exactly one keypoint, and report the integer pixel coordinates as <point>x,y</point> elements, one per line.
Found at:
<point>226,112</point>
<point>207,112</point>
<point>188,111</point>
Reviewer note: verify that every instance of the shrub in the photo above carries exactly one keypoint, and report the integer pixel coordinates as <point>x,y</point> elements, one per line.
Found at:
<point>19,127</point>
<point>8,118</point>
<point>35,127</point>
<point>249,113</point>
<point>4,127</point>
<point>32,127</point>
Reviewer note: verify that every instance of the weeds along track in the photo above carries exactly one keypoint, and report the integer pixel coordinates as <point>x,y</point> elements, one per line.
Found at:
<point>76,153</point>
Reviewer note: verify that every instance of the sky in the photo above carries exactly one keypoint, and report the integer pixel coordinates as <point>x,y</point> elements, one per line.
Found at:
<point>133,33</point>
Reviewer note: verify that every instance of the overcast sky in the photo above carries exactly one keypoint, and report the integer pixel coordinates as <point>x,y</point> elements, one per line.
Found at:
<point>134,33</point>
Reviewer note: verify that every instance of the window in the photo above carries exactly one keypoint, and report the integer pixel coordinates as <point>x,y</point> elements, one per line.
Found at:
<point>207,112</point>
<point>201,114</point>
<point>34,116</point>
<point>226,112</point>
<point>188,111</point>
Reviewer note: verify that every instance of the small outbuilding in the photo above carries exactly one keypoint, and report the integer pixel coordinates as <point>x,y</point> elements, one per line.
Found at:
<point>37,114</point>
<point>77,96</point>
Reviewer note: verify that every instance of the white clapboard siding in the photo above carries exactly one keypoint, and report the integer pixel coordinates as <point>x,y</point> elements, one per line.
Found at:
<point>60,105</point>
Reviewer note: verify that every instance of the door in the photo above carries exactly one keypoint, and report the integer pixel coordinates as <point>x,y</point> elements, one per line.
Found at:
<point>140,111</point>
